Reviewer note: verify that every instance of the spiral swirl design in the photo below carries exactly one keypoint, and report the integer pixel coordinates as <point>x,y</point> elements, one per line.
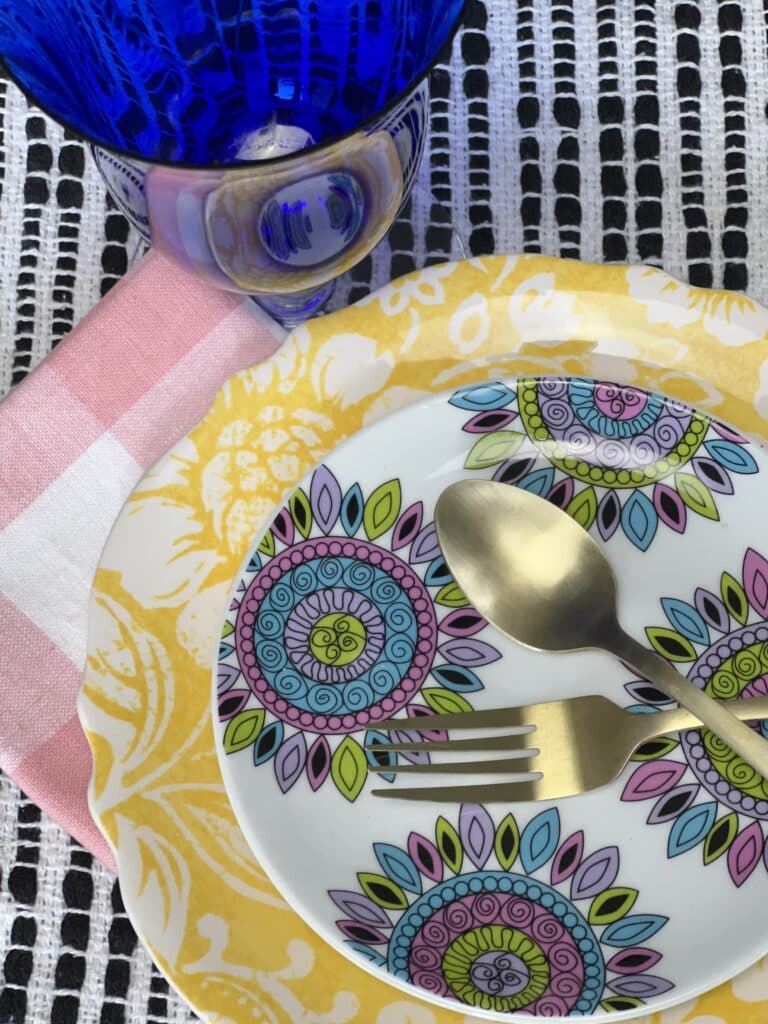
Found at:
<point>740,673</point>
<point>604,433</point>
<point>332,636</point>
<point>499,950</point>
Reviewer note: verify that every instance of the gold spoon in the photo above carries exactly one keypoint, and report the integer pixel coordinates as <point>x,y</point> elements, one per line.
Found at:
<point>540,578</point>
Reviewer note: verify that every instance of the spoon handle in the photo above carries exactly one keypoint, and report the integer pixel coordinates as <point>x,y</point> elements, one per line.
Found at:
<point>713,713</point>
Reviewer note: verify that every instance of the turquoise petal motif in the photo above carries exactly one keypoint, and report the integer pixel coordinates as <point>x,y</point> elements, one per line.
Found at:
<point>370,954</point>
<point>691,828</point>
<point>481,397</point>
<point>352,510</point>
<point>633,931</point>
<point>733,456</point>
<point>268,743</point>
<point>398,866</point>
<point>456,678</point>
<point>539,482</point>
<point>639,520</point>
<point>539,839</point>
<point>438,573</point>
<point>686,620</point>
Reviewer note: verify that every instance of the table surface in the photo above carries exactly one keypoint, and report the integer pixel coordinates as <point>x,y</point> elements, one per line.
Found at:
<point>604,130</point>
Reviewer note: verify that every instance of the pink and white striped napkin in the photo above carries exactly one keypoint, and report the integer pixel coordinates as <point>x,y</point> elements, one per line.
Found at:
<point>132,378</point>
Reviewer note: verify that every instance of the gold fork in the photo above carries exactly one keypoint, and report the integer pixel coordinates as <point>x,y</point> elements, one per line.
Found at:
<point>572,745</point>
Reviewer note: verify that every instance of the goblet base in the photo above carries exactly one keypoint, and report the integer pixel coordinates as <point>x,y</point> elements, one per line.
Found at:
<point>295,309</point>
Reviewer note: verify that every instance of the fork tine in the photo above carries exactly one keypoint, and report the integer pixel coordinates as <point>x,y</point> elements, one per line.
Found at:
<point>486,719</point>
<point>508,741</point>
<point>500,792</point>
<point>518,765</point>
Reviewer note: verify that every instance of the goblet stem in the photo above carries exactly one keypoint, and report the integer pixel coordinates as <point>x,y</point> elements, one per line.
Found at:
<point>292,310</point>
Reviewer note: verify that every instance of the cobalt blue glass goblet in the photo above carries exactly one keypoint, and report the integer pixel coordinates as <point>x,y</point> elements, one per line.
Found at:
<point>266,145</point>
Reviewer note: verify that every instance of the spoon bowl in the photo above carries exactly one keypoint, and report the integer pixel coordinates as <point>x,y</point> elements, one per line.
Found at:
<point>539,577</point>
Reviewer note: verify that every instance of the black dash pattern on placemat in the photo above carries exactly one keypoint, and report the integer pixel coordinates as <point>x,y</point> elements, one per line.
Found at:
<point>19,957</point>
<point>77,890</point>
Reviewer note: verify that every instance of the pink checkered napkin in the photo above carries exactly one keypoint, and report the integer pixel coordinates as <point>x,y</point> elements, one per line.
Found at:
<point>75,437</point>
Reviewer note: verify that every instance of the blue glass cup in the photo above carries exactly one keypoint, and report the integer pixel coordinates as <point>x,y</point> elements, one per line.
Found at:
<point>266,145</point>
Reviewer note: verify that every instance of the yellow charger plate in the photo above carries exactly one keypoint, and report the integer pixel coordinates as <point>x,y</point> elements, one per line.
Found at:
<point>217,928</point>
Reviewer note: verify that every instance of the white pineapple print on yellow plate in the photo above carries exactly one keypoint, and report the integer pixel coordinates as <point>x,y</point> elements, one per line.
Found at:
<point>216,926</point>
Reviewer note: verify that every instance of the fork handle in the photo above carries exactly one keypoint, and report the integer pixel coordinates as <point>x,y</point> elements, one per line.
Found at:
<point>662,723</point>
<point>712,713</point>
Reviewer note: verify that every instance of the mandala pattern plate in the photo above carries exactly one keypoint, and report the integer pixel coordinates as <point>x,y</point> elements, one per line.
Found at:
<point>590,907</point>
<point>345,613</point>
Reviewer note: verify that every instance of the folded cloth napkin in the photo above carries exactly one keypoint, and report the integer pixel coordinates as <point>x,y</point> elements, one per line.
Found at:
<point>75,436</point>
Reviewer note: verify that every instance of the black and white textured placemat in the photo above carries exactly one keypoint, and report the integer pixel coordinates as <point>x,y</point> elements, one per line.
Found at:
<point>606,130</point>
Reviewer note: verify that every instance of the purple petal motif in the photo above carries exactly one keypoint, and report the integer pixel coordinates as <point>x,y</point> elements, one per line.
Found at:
<point>226,677</point>
<point>282,527</point>
<point>477,833</point>
<point>325,498</point>
<point>744,853</point>
<point>464,651</point>
<point>641,986</point>
<point>425,547</point>
<point>424,854</point>
<point>727,433</point>
<point>712,610</point>
<point>643,692</point>
<point>290,760</point>
<point>633,961</point>
<point>562,493</point>
<point>362,933</point>
<point>512,470</point>
<point>407,526</point>
<point>410,736</point>
<point>486,422</point>
<point>567,858</point>
<point>318,762</point>
<point>424,713</point>
<point>652,779</point>
<point>670,507</point>
<point>231,703</point>
<point>755,576</point>
<point>712,476</point>
<point>608,515</point>
<point>360,908</point>
<point>673,803</point>
<point>597,873</point>
<point>462,622</point>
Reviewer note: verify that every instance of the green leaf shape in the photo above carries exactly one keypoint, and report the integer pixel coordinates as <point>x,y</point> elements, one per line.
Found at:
<point>614,1004</point>
<point>383,890</point>
<point>493,449</point>
<point>612,905</point>
<point>243,730</point>
<point>451,596</point>
<point>658,747</point>
<point>382,509</point>
<point>301,512</point>
<point>228,629</point>
<point>734,598</point>
<point>444,702</point>
<point>267,544</point>
<point>507,842</point>
<point>349,767</point>
<point>720,837</point>
<point>583,507</point>
<point>671,644</point>
<point>696,496</point>
<point>449,845</point>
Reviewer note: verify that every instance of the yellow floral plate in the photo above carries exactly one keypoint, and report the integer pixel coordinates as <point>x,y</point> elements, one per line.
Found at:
<point>217,928</point>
